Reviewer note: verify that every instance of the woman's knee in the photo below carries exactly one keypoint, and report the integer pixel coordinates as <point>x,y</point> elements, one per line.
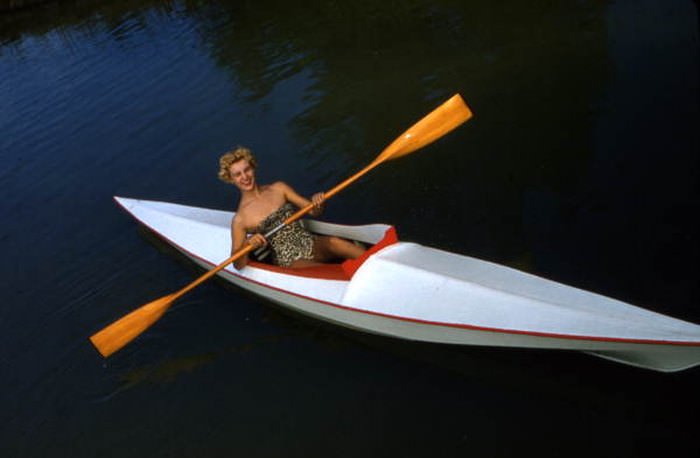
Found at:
<point>336,247</point>
<point>346,248</point>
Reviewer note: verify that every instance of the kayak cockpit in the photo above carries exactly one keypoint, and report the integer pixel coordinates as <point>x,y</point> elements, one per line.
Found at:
<point>334,271</point>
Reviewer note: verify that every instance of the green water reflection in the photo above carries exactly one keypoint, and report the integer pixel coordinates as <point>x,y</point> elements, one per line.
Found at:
<point>533,72</point>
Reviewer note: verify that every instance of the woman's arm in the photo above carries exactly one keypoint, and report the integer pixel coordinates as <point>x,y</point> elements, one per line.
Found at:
<point>292,196</point>
<point>239,240</point>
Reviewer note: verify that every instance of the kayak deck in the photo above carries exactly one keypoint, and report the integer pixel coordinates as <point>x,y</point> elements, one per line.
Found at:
<point>458,290</point>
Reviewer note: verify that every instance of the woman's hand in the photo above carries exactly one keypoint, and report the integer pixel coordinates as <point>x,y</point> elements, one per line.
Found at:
<point>257,241</point>
<point>317,200</point>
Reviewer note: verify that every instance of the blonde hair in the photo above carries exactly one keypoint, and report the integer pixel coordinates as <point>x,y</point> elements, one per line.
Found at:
<point>231,157</point>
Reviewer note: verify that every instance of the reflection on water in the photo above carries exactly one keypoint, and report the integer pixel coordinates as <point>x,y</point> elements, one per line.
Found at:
<point>168,370</point>
<point>538,99</point>
<point>580,165</point>
<point>160,373</point>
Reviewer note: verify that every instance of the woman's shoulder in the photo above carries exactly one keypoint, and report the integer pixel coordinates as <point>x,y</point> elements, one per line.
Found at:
<point>278,186</point>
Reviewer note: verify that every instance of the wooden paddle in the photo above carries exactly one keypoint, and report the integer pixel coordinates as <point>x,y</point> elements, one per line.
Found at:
<point>437,123</point>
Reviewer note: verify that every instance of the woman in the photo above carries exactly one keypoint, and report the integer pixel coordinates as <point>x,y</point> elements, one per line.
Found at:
<point>264,207</point>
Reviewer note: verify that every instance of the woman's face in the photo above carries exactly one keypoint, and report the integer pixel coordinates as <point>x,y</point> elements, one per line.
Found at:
<point>243,175</point>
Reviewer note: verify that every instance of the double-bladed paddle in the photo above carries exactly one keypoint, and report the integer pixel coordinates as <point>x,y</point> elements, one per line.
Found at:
<point>437,123</point>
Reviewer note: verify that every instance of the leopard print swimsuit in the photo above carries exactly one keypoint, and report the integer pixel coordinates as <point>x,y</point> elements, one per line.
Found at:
<point>290,243</point>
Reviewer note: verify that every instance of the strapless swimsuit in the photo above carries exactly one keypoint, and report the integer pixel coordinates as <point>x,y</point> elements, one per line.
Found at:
<point>289,244</point>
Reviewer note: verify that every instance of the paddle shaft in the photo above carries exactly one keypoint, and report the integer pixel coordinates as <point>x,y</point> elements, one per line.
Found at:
<point>237,255</point>
<point>437,123</point>
<point>326,195</point>
<point>248,248</point>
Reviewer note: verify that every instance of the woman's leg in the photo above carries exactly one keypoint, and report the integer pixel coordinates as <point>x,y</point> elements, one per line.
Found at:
<point>329,248</point>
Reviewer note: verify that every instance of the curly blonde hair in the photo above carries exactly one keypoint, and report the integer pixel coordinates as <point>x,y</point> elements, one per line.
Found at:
<point>235,155</point>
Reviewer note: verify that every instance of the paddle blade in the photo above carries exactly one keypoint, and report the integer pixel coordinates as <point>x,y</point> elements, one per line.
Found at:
<point>434,125</point>
<point>121,332</point>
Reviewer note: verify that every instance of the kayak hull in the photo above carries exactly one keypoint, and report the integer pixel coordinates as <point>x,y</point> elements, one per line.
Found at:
<point>408,291</point>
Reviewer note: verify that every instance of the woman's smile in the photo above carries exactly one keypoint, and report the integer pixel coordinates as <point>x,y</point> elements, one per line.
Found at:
<point>243,175</point>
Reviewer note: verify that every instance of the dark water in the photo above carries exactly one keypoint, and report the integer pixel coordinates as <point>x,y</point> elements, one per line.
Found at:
<point>581,165</point>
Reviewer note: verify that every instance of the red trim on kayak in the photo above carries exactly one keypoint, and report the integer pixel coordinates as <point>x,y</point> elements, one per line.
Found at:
<point>462,326</point>
<point>324,271</point>
<point>350,266</point>
<point>431,323</point>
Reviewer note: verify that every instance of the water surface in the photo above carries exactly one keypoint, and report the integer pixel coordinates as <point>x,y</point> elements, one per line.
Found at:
<point>580,165</point>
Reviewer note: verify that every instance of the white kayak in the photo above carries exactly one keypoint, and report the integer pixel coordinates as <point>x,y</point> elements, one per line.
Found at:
<point>413,292</point>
